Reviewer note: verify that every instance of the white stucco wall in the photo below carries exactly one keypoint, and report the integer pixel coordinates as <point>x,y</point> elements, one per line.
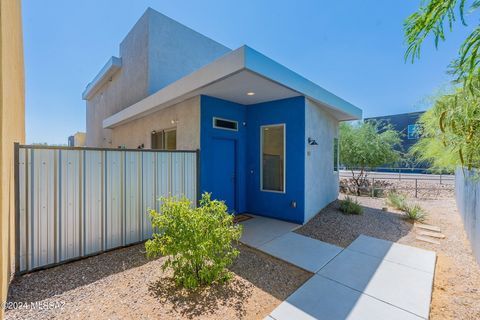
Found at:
<point>186,114</point>
<point>156,52</point>
<point>321,182</point>
<point>127,86</point>
<point>176,50</point>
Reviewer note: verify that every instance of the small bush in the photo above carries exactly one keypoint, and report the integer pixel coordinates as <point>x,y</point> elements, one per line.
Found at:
<point>196,241</point>
<point>350,206</point>
<point>414,213</point>
<point>377,193</point>
<point>396,200</point>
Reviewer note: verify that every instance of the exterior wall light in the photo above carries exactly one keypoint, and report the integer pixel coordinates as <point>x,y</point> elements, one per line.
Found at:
<point>250,93</point>
<point>312,142</point>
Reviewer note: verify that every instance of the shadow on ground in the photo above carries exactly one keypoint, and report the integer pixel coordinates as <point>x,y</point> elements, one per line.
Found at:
<point>251,268</point>
<point>43,284</point>
<point>333,226</point>
<point>202,301</point>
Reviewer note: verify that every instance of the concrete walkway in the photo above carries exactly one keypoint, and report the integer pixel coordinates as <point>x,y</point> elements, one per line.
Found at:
<point>370,279</point>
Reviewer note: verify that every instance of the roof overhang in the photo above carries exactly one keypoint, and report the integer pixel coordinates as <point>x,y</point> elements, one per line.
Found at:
<point>231,77</point>
<point>109,69</point>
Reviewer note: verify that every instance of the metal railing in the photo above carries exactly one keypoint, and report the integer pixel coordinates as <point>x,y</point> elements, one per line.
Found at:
<point>416,182</point>
<point>403,175</point>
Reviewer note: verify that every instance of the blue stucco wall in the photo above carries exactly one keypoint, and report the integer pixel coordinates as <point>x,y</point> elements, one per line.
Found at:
<point>212,107</point>
<point>291,112</point>
<point>249,197</point>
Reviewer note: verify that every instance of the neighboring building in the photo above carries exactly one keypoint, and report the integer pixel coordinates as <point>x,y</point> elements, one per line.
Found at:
<point>267,136</point>
<point>406,124</point>
<point>12,129</point>
<point>77,140</point>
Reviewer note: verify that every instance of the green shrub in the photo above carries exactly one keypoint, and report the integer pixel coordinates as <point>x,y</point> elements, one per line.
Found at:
<point>414,212</point>
<point>350,206</point>
<point>377,193</point>
<point>396,200</point>
<point>198,242</point>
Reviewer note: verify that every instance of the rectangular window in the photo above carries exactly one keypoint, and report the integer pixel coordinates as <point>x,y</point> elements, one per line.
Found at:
<point>170,137</point>
<point>164,139</point>
<point>220,123</point>
<point>412,131</point>
<point>335,154</point>
<point>273,158</point>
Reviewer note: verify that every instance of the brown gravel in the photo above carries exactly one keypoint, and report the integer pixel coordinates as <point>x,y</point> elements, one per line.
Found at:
<point>123,284</point>
<point>456,293</point>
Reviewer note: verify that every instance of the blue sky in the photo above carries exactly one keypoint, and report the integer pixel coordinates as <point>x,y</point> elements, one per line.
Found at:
<point>353,48</point>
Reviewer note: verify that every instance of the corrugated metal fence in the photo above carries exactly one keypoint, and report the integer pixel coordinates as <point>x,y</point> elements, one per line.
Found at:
<point>467,194</point>
<point>76,202</point>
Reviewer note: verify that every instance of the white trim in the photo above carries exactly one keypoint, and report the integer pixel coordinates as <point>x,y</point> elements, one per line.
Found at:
<point>109,69</point>
<point>180,90</point>
<point>243,58</point>
<point>284,125</point>
<point>223,119</point>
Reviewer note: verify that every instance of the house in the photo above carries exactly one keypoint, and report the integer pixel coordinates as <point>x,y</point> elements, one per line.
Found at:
<point>77,139</point>
<point>267,136</point>
<point>406,124</point>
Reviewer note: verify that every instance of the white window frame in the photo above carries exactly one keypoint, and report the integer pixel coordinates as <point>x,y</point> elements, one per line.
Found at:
<point>284,125</point>
<point>222,128</point>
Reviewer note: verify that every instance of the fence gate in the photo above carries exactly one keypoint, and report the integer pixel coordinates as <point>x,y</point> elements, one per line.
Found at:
<point>76,202</point>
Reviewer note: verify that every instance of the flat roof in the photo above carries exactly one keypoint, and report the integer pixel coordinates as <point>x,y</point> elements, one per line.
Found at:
<point>109,69</point>
<point>273,76</point>
<point>414,113</point>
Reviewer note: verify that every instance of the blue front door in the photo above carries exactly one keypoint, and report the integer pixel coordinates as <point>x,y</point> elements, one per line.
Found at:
<point>223,174</point>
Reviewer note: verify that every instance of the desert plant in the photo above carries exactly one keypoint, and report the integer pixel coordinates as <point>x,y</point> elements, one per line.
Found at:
<point>414,213</point>
<point>350,206</point>
<point>431,19</point>
<point>198,242</point>
<point>396,200</point>
<point>450,132</point>
<point>367,145</point>
<point>377,193</point>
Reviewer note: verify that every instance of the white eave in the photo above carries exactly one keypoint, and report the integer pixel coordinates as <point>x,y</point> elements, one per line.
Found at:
<point>230,77</point>
<point>109,69</point>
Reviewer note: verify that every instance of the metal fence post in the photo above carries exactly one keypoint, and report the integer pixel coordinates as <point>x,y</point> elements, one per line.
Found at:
<point>373,187</point>
<point>199,191</point>
<point>16,177</point>
<point>416,187</point>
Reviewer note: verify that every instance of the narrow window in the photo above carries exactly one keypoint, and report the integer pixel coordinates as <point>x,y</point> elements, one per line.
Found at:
<point>170,139</point>
<point>273,158</point>
<point>335,154</point>
<point>220,123</point>
<point>157,140</point>
<point>164,139</point>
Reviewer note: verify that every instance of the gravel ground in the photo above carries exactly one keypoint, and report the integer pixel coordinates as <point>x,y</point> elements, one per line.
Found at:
<point>456,293</point>
<point>123,284</point>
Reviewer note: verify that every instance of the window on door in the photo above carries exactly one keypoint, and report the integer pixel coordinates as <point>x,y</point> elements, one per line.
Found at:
<point>164,139</point>
<point>273,158</point>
